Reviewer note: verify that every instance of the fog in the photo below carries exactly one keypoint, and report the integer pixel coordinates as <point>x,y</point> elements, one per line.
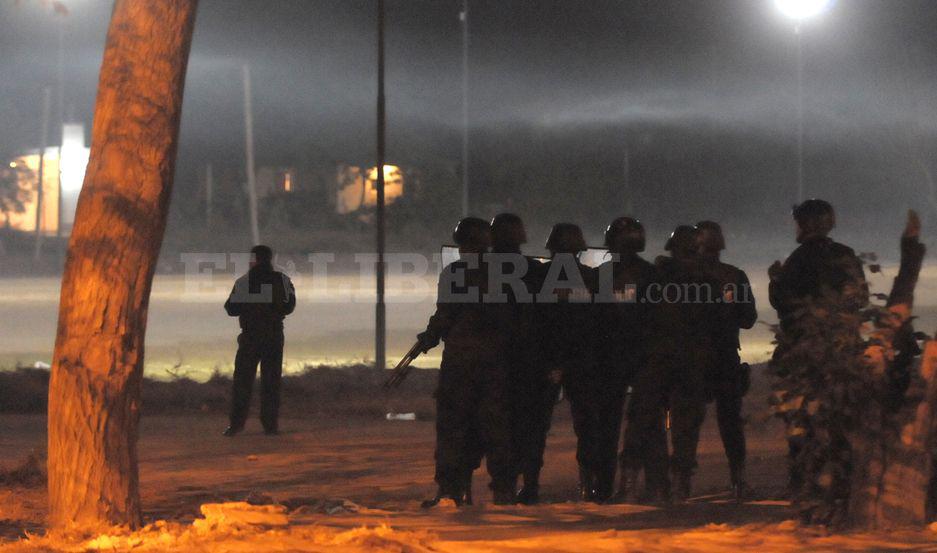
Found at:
<point>681,110</point>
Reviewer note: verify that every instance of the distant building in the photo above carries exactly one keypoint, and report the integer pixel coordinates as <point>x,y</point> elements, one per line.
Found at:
<point>72,167</point>
<point>357,187</point>
<point>277,180</point>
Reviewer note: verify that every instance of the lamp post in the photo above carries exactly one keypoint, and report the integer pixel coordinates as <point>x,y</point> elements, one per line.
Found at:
<point>799,11</point>
<point>380,311</point>
<point>464,19</point>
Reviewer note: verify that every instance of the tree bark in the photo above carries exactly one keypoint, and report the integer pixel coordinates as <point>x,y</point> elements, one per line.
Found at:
<point>94,393</point>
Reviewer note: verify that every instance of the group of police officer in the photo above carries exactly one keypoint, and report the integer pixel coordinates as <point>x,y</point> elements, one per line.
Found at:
<point>667,330</point>
<point>518,329</point>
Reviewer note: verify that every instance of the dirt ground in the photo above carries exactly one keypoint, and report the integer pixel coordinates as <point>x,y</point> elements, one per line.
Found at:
<point>360,482</point>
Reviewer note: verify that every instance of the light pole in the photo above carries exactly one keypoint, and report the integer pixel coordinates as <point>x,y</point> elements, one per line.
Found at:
<point>249,151</point>
<point>799,11</point>
<point>464,19</point>
<point>380,310</point>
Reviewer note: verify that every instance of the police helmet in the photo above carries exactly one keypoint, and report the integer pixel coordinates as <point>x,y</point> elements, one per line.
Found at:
<point>682,241</point>
<point>566,238</point>
<point>507,231</point>
<point>472,233</point>
<point>625,234</point>
<point>710,236</point>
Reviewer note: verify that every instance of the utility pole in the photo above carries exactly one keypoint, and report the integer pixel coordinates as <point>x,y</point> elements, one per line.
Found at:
<point>800,115</point>
<point>60,117</point>
<point>629,202</point>
<point>464,18</point>
<point>40,192</point>
<point>249,151</point>
<point>380,314</point>
<point>209,186</point>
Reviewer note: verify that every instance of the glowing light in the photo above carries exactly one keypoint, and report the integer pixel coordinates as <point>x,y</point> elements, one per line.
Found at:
<point>74,157</point>
<point>358,187</point>
<point>391,173</point>
<point>802,9</point>
<point>12,165</point>
<point>287,182</point>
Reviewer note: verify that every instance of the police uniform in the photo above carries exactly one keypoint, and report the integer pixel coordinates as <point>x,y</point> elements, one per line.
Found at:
<point>622,285</point>
<point>728,380</point>
<point>568,341</point>
<point>472,409</point>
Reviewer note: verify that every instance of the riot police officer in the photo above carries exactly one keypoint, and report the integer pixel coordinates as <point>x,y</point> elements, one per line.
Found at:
<point>567,339</point>
<point>819,267</point>
<point>260,300</point>
<point>728,379</point>
<point>532,394</point>
<point>622,284</point>
<point>819,272</point>
<point>472,410</point>
<point>674,375</point>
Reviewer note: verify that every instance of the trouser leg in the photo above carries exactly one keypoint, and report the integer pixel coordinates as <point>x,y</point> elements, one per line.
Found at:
<point>731,429</point>
<point>271,371</point>
<point>455,406</point>
<point>493,418</point>
<point>538,424</point>
<point>645,440</point>
<point>609,430</point>
<point>687,411</point>
<point>245,371</point>
<point>582,408</point>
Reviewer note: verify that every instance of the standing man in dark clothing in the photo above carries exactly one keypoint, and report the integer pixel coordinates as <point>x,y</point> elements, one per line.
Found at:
<point>820,282</point>
<point>567,340</point>
<point>622,283</point>
<point>728,379</point>
<point>819,268</point>
<point>678,353</point>
<point>532,393</point>
<point>260,300</point>
<point>472,410</point>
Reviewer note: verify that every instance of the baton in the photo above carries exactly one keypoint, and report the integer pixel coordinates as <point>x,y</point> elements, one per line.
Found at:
<point>403,368</point>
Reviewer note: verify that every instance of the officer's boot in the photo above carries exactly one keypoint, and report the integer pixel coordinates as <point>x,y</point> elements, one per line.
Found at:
<point>586,484</point>
<point>467,490</point>
<point>682,485</point>
<point>503,492</point>
<point>457,496</point>
<point>628,487</point>
<point>530,493</point>
<point>603,486</point>
<point>740,489</point>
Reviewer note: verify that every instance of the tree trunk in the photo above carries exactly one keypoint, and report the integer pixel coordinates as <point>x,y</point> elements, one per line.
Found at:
<point>94,393</point>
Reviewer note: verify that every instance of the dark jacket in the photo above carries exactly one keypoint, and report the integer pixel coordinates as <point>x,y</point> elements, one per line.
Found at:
<point>819,269</point>
<point>467,324</point>
<point>261,299</point>
<point>522,309</point>
<point>623,310</point>
<point>567,320</point>
<point>735,303</point>
<point>681,313</point>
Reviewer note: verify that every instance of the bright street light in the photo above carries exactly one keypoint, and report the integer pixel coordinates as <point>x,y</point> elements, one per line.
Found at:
<point>802,9</point>
<point>798,11</point>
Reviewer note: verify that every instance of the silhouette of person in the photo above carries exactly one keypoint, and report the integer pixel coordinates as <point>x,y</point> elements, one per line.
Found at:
<point>260,299</point>
<point>728,379</point>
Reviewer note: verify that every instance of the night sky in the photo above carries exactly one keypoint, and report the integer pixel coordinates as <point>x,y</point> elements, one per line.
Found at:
<point>563,67</point>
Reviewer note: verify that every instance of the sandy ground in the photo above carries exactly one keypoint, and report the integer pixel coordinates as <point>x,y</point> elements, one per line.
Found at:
<point>189,333</point>
<point>356,484</point>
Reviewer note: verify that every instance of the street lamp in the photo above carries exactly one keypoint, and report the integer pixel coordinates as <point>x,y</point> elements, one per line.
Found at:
<point>802,9</point>
<point>799,11</point>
